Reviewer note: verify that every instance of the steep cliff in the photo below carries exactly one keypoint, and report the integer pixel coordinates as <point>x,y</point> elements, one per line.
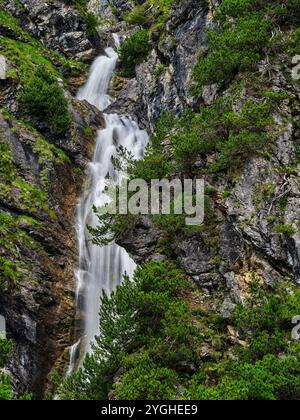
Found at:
<point>214,87</point>
<point>46,139</point>
<point>253,196</point>
<point>208,314</point>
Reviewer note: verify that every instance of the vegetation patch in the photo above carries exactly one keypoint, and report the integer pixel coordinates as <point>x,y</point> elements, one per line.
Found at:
<point>5,383</point>
<point>133,51</point>
<point>151,14</point>
<point>91,20</point>
<point>43,98</point>
<point>152,333</point>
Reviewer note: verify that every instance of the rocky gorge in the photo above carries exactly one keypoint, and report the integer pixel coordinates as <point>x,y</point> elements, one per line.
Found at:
<point>216,108</point>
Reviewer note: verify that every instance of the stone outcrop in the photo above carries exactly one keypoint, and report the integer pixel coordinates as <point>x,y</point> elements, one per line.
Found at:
<point>163,81</point>
<point>56,24</point>
<point>39,310</point>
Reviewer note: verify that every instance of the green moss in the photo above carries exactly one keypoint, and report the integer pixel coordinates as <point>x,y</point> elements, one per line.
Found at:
<point>49,155</point>
<point>7,164</point>
<point>25,58</point>
<point>15,238</point>
<point>10,272</point>
<point>26,50</point>
<point>31,198</point>
<point>11,235</point>
<point>89,132</point>
<point>8,21</point>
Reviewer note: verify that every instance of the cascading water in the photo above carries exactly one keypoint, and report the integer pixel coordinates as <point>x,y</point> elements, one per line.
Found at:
<point>101,268</point>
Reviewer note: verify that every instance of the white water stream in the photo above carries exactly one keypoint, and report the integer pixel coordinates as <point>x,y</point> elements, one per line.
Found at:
<point>101,268</point>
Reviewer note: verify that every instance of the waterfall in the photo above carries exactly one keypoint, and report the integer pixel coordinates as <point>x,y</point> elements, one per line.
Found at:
<point>101,268</point>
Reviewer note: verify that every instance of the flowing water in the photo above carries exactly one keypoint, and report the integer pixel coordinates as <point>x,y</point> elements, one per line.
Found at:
<point>101,268</point>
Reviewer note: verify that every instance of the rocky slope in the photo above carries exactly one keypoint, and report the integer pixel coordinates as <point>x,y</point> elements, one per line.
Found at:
<point>244,218</point>
<point>42,174</point>
<point>251,229</point>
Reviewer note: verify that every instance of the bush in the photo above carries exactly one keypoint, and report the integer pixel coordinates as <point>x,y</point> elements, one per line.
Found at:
<point>269,379</point>
<point>268,367</point>
<point>146,331</point>
<point>5,349</point>
<point>285,12</point>
<point>133,51</point>
<point>237,47</point>
<point>92,22</point>
<point>147,382</point>
<point>43,98</point>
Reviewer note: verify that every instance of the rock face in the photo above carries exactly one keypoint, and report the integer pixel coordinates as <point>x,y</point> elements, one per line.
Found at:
<point>244,244</point>
<point>40,311</point>
<point>56,24</point>
<point>163,81</point>
<point>41,178</point>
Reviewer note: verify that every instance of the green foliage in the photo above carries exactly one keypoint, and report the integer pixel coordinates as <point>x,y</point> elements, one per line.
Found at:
<point>147,381</point>
<point>89,132</point>
<point>13,269</point>
<point>151,14</point>
<point>271,378</point>
<point>294,42</point>
<point>285,230</point>
<point>228,136</point>
<point>281,12</point>
<point>243,36</point>
<point>133,51</point>
<point>265,321</point>
<point>149,338</point>
<point>5,385</point>
<point>8,21</point>
<point>238,47</point>
<point>26,195</point>
<point>155,164</point>
<point>26,57</point>
<point>91,20</point>
<point>25,52</point>
<point>44,98</point>
<point>11,235</point>
<point>7,163</point>
<point>146,328</point>
<point>268,367</point>
<point>6,347</point>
